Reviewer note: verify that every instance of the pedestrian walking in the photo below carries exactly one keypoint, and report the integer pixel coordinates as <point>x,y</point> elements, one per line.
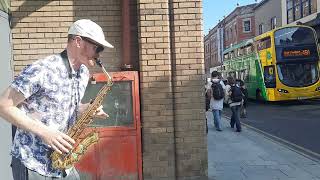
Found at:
<point>235,98</point>
<point>216,92</point>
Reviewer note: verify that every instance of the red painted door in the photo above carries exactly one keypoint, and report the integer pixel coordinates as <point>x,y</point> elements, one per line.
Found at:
<point>117,155</point>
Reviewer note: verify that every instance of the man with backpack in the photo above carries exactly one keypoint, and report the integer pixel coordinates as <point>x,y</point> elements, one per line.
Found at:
<point>235,98</point>
<point>216,92</point>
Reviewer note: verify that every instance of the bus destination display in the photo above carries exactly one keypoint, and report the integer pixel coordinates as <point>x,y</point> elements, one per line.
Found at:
<point>296,53</point>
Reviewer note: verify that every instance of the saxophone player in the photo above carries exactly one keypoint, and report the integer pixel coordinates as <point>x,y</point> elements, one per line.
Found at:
<point>43,101</point>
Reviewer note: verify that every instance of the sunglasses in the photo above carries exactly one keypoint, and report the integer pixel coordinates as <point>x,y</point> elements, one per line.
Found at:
<point>98,47</point>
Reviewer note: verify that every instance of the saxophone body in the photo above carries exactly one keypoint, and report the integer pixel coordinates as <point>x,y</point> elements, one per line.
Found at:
<point>65,161</point>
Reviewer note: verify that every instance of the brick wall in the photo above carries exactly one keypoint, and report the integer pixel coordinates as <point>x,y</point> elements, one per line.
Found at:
<point>171,82</point>
<point>40,28</point>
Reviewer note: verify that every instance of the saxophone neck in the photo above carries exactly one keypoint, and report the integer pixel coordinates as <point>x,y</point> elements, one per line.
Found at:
<point>109,78</point>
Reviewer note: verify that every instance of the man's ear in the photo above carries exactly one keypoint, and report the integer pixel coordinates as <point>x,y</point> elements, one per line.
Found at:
<point>78,40</point>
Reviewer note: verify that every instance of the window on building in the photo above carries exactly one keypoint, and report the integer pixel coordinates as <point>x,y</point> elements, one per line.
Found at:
<point>305,8</point>
<point>261,28</point>
<point>246,25</point>
<point>290,16</point>
<point>297,9</point>
<point>313,6</point>
<point>273,23</point>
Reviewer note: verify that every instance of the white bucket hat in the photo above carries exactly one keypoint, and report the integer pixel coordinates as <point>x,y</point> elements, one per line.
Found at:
<point>89,29</point>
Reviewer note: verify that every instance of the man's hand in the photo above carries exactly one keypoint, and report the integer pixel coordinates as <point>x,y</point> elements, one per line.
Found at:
<point>57,140</point>
<point>100,113</point>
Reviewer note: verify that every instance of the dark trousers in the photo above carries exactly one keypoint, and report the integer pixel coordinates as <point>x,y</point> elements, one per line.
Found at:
<point>20,172</point>
<point>235,118</point>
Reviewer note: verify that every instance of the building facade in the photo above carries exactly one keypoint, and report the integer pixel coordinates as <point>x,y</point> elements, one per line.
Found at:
<point>267,16</point>
<point>239,25</point>
<point>163,41</point>
<point>301,11</point>
<point>236,27</point>
<point>213,48</point>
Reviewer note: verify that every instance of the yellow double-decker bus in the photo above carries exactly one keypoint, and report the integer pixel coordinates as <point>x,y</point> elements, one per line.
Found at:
<point>279,65</point>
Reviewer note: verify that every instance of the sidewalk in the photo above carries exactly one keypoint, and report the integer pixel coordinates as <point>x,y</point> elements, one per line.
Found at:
<point>249,155</point>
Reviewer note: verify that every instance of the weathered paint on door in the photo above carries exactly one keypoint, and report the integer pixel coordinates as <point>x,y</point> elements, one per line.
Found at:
<point>117,155</point>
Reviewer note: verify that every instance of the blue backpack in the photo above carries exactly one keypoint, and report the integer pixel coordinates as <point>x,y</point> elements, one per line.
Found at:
<point>236,94</point>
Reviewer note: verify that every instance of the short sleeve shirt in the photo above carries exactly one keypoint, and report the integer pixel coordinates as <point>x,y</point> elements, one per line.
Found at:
<point>53,92</point>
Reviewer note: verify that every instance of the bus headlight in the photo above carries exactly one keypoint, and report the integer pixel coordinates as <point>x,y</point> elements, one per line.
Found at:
<point>283,91</point>
<point>318,89</point>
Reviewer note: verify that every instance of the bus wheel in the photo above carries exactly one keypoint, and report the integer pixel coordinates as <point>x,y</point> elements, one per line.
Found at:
<point>259,95</point>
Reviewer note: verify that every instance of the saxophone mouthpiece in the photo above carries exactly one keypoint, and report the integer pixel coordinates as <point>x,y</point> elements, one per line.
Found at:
<point>99,62</point>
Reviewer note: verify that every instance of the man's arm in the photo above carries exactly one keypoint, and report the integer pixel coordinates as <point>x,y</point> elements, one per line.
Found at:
<point>209,93</point>
<point>8,110</point>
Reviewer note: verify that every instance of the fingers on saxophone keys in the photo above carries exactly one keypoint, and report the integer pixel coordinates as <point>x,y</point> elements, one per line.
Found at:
<point>68,138</point>
<point>54,147</point>
<point>61,144</point>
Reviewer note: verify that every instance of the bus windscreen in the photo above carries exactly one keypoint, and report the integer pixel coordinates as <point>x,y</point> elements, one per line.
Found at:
<point>295,44</point>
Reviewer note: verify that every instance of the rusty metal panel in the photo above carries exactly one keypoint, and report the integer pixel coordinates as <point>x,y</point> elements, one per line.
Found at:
<point>117,155</point>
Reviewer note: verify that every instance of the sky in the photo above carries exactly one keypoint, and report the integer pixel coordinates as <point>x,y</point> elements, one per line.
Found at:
<point>214,10</point>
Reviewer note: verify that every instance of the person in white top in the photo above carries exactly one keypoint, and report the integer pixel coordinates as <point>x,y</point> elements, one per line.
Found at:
<point>216,91</point>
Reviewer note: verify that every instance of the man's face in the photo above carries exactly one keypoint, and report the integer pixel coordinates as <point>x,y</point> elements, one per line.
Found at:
<point>89,51</point>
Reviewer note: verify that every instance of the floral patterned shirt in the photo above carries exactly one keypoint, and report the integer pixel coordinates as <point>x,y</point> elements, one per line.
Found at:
<point>53,92</point>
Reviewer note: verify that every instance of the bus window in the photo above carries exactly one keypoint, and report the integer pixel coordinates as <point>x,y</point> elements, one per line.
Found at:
<point>248,49</point>
<point>239,52</point>
<point>269,76</point>
<point>246,75</point>
<point>232,74</point>
<point>231,54</point>
<point>226,57</point>
<point>237,75</point>
<point>264,43</point>
<point>241,75</point>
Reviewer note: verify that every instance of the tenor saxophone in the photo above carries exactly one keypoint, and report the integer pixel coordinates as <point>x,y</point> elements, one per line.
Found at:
<point>65,161</point>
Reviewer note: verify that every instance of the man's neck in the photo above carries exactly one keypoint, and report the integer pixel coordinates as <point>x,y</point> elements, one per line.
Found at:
<point>74,63</point>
